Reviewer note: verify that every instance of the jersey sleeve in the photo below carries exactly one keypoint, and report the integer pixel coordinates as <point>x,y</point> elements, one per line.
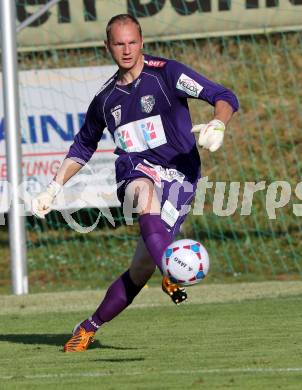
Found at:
<point>86,140</point>
<point>184,82</point>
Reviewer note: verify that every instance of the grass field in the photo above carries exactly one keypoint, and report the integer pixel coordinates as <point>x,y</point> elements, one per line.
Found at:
<point>238,336</point>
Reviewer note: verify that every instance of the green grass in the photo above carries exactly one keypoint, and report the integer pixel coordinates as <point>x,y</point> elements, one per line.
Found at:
<point>244,336</point>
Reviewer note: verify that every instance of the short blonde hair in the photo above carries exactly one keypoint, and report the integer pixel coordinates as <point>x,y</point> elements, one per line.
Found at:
<point>122,18</point>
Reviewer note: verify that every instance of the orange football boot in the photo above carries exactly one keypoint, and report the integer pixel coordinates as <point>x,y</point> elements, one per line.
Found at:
<point>80,340</point>
<point>177,294</point>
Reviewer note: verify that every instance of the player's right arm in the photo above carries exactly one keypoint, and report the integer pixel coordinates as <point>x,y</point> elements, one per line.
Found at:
<point>84,145</point>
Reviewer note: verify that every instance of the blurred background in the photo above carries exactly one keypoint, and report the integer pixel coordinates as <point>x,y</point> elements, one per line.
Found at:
<point>254,47</point>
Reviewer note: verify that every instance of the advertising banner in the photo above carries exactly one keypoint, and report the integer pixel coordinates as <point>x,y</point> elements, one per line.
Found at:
<point>80,23</point>
<point>53,105</point>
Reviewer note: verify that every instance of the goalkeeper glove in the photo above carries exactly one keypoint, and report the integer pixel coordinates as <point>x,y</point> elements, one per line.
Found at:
<point>210,134</point>
<point>41,204</point>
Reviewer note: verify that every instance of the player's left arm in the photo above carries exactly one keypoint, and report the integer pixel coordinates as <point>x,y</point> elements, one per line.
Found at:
<point>187,83</point>
<point>223,111</point>
<point>211,134</point>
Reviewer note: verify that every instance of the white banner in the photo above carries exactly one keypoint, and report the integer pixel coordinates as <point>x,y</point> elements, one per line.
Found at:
<point>80,23</point>
<point>53,104</point>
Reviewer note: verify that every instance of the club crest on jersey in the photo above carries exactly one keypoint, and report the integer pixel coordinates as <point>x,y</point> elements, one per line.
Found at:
<point>147,103</point>
<point>117,114</point>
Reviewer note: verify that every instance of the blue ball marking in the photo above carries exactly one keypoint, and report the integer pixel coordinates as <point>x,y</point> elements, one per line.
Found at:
<point>200,275</point>
<point>195,248</point>
<point>173,280</point>
<point>169,252</point>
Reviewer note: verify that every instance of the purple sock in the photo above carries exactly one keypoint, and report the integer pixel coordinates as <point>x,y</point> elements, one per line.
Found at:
<point>122,291</point>
<point>119,295</point>
<point>155,236</point>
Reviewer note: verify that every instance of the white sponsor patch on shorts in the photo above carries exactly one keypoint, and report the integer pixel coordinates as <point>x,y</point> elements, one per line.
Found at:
<point>169,213</point>
<point>168,174</point>
<point>188,85</point>
<point>149,171</point>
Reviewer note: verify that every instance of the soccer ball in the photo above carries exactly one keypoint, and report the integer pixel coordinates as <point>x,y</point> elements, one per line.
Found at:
<point>185,262</point>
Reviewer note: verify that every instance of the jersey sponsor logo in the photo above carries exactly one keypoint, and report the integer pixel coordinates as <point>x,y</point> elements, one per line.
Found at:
<point>156,64</point>
<point>188,85</point>
<point>149,171</point>
<point>104,87</point>
<point>140,135</point>
<point>167,174</point>
<point>124,140</point>
<point>147,103</point>
<point>117,114</point>
<point>149,131</point>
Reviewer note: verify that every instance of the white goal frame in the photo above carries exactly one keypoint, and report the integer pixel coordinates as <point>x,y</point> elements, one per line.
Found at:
<point>17,236</point>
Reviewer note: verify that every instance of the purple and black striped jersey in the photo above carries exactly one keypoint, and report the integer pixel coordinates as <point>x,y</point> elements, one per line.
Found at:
<point>149,118</point>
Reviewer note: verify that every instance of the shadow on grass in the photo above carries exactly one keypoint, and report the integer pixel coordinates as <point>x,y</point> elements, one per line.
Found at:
<point>119,360</point>
<point>52,339</point>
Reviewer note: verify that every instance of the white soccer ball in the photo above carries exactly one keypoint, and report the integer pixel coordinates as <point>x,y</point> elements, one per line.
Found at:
<point>185,262</point>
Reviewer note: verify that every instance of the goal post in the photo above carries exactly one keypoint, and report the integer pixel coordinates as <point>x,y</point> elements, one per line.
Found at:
<point>17,236</point>
<point>13,146</point>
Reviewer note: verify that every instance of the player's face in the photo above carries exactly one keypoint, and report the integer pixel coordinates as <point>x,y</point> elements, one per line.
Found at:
<point>125,44</point>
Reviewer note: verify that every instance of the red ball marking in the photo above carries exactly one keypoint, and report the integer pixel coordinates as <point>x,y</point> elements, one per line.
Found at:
<point>200,267</point>
<point>175,249</point>
<point>192,279</point>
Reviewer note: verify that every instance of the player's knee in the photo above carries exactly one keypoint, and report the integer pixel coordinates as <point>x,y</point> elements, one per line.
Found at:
<point>142,194</point>
<point>149,269</point>
<point>142,270</point>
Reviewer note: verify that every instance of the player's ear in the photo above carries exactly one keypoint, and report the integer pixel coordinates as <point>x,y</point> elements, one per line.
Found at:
<point>142,45</point>
<point>106,46</point>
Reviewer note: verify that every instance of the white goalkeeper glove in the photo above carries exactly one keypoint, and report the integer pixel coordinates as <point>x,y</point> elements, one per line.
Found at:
<point>210,134</point>
<point>42,203</point>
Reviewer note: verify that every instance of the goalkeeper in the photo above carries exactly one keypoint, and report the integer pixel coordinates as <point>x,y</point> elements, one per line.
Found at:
<point>144,107</point>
